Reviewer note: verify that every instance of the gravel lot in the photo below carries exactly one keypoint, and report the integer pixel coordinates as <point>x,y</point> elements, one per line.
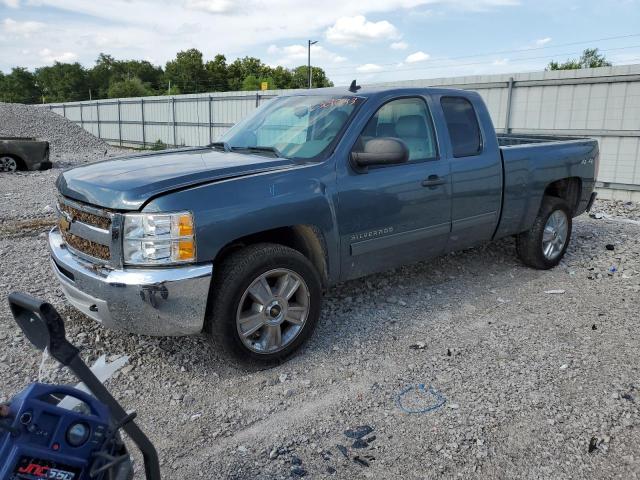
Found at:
<point>534,384</point>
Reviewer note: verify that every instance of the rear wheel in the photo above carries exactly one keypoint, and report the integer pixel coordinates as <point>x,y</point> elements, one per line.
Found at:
<point>8,164</point>
<point>544,245</point>
<point>265,303</point>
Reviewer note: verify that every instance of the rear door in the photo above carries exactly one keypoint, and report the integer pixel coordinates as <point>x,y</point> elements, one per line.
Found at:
<point>476,170</point>
<point>395,214</point>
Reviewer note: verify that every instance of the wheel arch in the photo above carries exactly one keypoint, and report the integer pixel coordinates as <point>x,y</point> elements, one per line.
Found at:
<point>306,239</point>
<point>569,189</point>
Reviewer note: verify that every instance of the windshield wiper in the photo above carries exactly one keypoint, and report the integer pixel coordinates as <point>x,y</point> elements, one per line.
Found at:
<point>221,145</point>
<point>258,149</point>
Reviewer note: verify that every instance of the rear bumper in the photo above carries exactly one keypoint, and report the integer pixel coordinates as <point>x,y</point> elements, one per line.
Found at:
<point>153,301</point>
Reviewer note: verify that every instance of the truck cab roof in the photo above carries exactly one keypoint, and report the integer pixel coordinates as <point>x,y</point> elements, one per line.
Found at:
<point>370,92</point>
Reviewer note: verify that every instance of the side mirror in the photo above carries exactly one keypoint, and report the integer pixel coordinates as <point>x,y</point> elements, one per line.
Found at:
<point>381,151</point>
<point>42,325</point>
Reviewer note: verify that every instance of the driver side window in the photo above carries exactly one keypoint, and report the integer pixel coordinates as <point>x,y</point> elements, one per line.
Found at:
<point>406,119</point>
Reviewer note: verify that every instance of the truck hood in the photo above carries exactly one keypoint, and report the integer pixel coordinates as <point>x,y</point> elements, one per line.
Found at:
<point>126,183</point>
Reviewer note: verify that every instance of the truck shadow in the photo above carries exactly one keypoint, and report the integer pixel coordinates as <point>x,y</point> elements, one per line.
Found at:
<point>349,308</point>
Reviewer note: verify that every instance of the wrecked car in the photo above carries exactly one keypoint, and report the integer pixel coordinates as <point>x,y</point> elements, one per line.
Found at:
<point>22,153</point>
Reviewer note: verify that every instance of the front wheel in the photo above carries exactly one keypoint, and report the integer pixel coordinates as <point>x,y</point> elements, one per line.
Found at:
<point>544,245</point>
<point>265,303</point>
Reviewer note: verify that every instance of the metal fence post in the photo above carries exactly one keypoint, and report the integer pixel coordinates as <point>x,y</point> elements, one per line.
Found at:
<point>64,110</point>
<point>144,138</point>
<point>257,99</point>
<point>81,117</point>
<point>119,125</point>
<point>507,121</point>
<point>210,122</point>
<point>98,118</point>
<point>173,118</point>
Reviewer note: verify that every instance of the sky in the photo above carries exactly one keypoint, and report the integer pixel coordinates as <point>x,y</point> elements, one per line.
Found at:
<point>371,40</point>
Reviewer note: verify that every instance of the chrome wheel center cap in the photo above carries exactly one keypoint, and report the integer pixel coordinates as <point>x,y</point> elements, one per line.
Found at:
<point>275,312</point>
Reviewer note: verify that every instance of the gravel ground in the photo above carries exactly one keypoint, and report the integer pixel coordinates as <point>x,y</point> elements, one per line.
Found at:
<point>530,384</point>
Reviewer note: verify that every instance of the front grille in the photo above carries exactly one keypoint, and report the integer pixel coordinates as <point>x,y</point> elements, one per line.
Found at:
<point>86,246</point>
<point>86,217</point>
<point>86,230</point>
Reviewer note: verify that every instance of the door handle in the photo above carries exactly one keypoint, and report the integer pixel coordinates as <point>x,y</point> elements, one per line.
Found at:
<point>433,181</point>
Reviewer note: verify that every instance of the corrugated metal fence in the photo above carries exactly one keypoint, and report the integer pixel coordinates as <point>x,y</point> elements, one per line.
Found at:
<point>603,103</point>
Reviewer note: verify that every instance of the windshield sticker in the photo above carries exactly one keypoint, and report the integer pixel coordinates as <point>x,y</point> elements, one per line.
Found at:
<point>336,102</point>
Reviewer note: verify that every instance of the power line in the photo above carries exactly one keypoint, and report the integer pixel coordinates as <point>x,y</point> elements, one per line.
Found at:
<point>443,65</point>
<point>501,52</point>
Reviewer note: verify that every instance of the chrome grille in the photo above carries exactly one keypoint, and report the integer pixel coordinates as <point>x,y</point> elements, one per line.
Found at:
<point>86,230</point>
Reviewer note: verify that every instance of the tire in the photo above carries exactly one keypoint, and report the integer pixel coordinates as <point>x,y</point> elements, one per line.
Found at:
<point>241,304</point>
<point>9,164</point>
<point>532,246</point>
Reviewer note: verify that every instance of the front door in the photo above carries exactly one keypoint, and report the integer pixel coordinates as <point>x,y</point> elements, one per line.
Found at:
<point>396,214</point>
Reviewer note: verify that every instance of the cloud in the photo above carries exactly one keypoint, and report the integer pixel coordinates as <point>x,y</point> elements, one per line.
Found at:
<point>500,61</point>
<point>211,6</point>
<point>159,28</point>
<point>291,55</point>
<point>368,68</point>
<point>541,42</point>
<point>11,3</point>
<point>417,57</point>
<point>357,29</point>
<point>24,29</point>
<point>399,45</point>
<point>48,56</point>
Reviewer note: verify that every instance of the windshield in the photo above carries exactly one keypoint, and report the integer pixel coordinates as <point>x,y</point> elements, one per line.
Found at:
<point>293,126</point>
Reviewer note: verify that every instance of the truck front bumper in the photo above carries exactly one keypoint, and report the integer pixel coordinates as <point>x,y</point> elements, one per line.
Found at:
<point>151,301</point>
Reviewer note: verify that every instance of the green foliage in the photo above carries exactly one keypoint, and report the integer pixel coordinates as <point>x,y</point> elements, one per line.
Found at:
<point>217,74</point>
<point>301,78</point>
<point>158,145</point>
<point>20,87</point>
<point>129,87</point>
<point>62,82</point>
<point>187,73</point>
<point>590,58</point>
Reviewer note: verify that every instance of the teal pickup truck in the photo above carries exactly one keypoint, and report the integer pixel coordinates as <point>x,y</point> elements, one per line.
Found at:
<point>240,238</point>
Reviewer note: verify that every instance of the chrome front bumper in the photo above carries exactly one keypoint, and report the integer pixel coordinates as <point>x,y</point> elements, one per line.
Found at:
<point>152,301</point>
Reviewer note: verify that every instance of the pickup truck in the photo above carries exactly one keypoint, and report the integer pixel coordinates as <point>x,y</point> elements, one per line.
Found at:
<point>240,238</point>
<point>23,153</point>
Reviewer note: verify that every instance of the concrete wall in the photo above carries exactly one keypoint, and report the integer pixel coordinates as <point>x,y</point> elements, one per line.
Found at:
<point>603,103</point>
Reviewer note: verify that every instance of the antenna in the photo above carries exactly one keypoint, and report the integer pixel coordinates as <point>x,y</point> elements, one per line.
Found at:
<point>354,87</point>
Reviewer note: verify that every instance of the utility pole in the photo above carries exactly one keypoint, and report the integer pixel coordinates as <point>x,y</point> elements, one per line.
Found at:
<point>89,94</point>
<point>169,89</point>
<point>309,43</point>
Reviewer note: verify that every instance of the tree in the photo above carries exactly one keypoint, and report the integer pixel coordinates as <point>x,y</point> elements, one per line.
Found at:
<point>20,87</point>
<point>62,82</point>
<point>108,78</point>
<point>301,78</point>
<point>187,72</point>
<point>129,87</point>
<point>590,58</point>
<point>242,68</point>
<point>100,76</point>
<point>217,74</point>
<point>282,78</point>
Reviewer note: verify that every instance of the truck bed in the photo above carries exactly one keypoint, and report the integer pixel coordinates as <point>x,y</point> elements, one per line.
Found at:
<point>529,161</point>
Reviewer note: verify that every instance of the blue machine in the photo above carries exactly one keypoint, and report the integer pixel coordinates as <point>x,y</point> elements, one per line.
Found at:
<point>52,442</point>
<point>41,439</point>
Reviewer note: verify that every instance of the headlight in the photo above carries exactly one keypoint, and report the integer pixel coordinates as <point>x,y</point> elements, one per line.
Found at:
<point>158,238</point>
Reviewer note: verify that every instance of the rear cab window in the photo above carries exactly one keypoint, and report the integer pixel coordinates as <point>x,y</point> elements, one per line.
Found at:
<point>463,126</point>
